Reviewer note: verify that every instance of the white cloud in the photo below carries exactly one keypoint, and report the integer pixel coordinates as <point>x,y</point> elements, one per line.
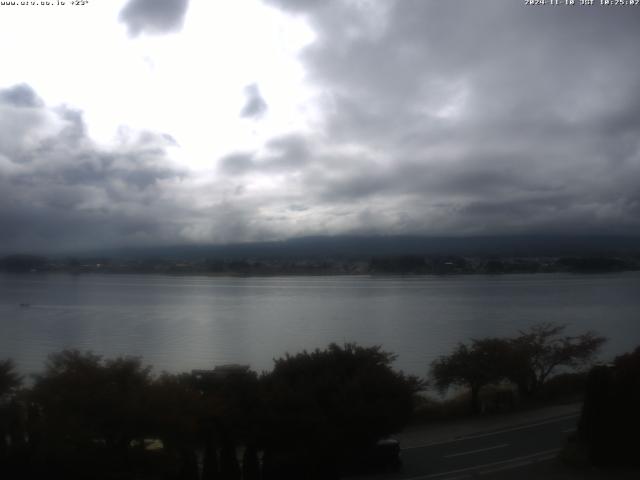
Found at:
<point>190,84</point>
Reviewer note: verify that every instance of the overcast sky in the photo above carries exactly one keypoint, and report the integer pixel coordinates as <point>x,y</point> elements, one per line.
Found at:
<point>145,122</point>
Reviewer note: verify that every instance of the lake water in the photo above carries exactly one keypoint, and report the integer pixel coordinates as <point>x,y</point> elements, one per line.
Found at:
<point>181,323</point>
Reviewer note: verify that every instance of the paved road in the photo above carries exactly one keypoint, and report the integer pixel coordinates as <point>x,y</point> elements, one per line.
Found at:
<point>487,452</point>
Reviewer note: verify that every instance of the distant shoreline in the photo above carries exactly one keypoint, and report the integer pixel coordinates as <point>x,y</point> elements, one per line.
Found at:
<point>309,274</point>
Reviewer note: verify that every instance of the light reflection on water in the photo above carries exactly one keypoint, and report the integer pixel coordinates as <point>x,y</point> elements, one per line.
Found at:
<point>181,323</point>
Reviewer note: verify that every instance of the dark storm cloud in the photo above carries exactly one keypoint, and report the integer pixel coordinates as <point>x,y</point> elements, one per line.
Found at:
<point>154,16</point>
<point>255,107</point>
<point>298,5</point>
<point>237,163</point>
<point>288,153</point>
<point>61,191</point>
<point>20,96</point>
<point>458,117</point>
<point>430,117</point>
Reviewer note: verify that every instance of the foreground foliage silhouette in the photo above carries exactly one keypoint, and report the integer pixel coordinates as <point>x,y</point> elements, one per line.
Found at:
<point>610,420</point>
<point>330,406</point>
<point>86,416</point>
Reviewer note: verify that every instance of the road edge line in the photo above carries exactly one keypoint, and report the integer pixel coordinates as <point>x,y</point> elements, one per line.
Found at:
<point>496,432</point>
<point>502,464</point>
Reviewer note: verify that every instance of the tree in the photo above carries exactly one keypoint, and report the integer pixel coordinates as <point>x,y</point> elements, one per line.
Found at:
<point>174,411</point>
<point>250,464</point>
<point>229,467</point>
<point>87,401</point>
<point>542,349</point>
<point>9,379</point>
<point>474,366</point>
<point>527,360</point>
<point>127,398</point>
<point>327,404</point>
<point>210,466</point>
<point>610,418</point>
<point>231,401</point>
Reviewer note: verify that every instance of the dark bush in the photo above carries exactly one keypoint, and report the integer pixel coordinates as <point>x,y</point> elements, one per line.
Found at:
<point>565,386</point>
<point>610,419</point>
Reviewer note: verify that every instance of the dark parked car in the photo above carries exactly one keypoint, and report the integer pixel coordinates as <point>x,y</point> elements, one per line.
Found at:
<point>387,454</point>
<point>383,456</point>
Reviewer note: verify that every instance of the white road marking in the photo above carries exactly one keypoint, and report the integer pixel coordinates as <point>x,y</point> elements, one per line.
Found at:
<point>476,451</point>
<point>497,432</point>
<point>495,466</point>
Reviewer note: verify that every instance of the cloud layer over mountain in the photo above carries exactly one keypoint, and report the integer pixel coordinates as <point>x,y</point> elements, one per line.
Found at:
<point>436,118</point>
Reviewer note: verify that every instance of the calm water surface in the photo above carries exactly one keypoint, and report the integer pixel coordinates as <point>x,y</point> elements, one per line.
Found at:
<point>181,323</point>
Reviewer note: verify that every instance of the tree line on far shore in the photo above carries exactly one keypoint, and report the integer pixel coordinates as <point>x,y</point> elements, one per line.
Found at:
<point>318,265</point>
<point>316,414</point>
